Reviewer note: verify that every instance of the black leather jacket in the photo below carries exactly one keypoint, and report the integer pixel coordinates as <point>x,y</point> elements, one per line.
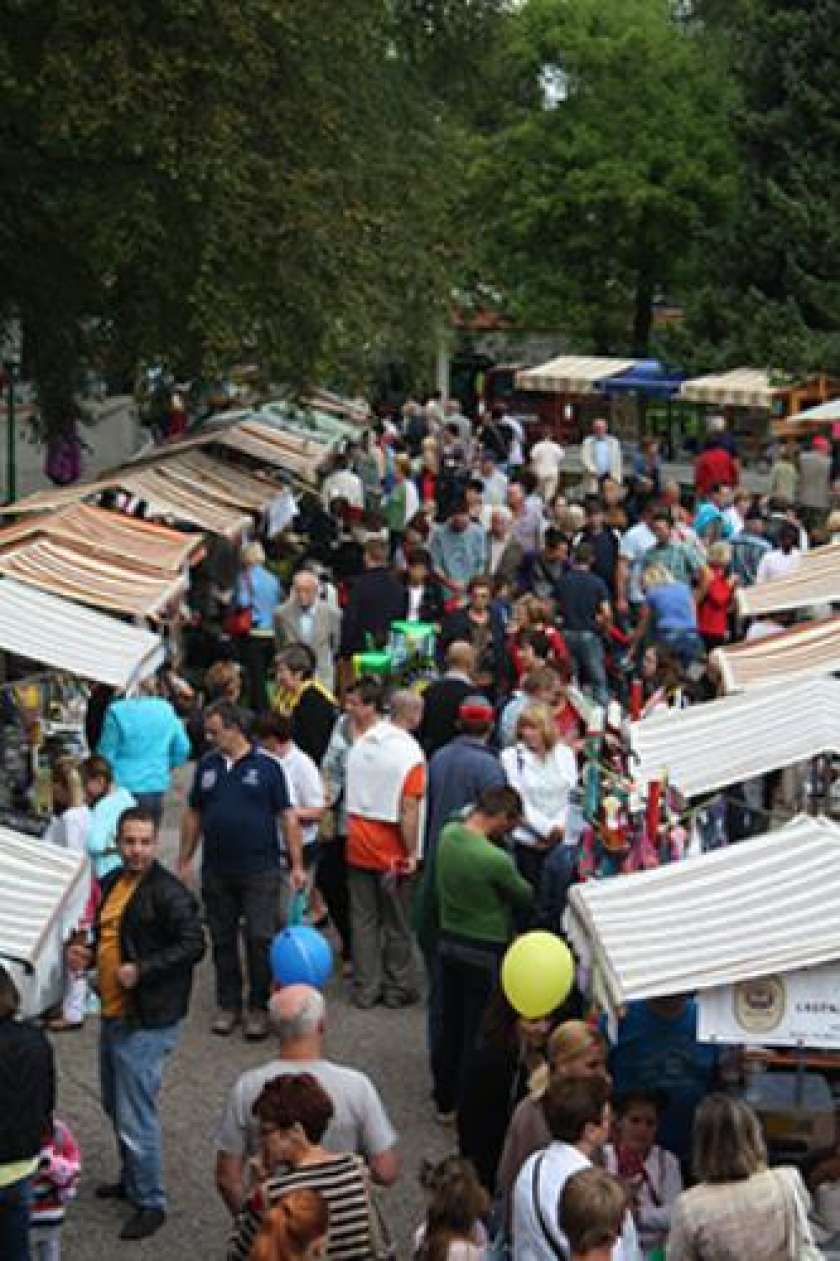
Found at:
<point>161,932</point>
<point>27,1090</point>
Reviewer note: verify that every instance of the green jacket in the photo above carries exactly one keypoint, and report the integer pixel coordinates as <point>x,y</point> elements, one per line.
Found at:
<point>478,886</point>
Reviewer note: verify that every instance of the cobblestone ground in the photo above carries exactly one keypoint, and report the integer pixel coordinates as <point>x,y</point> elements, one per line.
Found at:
<point>388,1045</point>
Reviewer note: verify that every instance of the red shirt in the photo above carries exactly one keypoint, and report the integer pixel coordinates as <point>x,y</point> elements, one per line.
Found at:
<point>713,609</point>
<point>714,467</point>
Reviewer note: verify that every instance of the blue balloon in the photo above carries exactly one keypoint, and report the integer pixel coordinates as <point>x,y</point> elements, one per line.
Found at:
<point>301,956</point>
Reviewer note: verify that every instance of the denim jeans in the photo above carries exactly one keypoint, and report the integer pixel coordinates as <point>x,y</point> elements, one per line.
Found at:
<point>687,646</point>
<point>131,1071</point>
<point>257,899</point>
<point>153,802</point>
<point>14,1220</point>
<point>587,650</point>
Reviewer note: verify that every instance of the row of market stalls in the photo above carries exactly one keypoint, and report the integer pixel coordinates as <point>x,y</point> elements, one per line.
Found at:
<point>758,402</point>
<point>92,579</point>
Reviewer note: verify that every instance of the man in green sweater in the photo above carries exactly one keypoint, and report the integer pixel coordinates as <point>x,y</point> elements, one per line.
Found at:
<point>478,889</point>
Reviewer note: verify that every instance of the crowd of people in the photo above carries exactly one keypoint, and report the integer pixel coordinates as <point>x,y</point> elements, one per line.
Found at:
<point>429,811</point>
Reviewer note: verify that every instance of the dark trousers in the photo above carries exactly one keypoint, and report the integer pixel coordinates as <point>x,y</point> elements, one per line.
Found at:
<point>332,881</point>
<point>256,653</point>
<point>257,900</point>
<point>14,1220</point>
<point>468,975</point>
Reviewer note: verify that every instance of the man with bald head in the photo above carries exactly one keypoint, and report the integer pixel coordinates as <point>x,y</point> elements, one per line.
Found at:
<point>442,699</point>
<point>359,1123</point>
<point>307,619</point>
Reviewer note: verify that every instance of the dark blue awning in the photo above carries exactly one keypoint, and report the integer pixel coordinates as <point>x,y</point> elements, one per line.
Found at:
<point>649,377</point>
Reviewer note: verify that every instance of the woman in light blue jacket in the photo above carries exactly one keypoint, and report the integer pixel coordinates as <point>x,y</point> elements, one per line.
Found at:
<point>144,740</point>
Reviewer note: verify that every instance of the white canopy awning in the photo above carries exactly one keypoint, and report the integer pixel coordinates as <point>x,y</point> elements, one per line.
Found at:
<point>816,580</point>
<point>823,413</point>
<point>726,741</point>
<point>65,636</point>
<point>771,904</point>
<point>806,651</point>
<point>742,387</point>
<point>43,891</point>
<point>572,374</point>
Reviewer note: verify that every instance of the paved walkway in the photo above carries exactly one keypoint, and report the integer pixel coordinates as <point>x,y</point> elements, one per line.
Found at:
<point>388,1045</point>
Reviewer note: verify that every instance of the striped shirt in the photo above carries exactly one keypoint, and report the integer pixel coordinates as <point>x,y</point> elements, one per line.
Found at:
<point>342,1180</point>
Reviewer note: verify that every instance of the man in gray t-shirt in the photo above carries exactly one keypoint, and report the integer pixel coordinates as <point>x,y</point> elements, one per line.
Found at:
<point>359,1124</point>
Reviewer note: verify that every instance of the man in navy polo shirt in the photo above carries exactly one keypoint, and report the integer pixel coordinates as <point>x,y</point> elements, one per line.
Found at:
<point>238,796</point>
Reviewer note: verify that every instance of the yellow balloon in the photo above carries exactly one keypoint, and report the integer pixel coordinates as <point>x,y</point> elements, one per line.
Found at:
<point>538,972</point>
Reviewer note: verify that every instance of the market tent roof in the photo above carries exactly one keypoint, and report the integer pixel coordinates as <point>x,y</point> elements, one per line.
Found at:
<point>802,652</point>
<point>55,498</point>
<point>170,498</point>
<point>52,565</point>
<point>573,374</point>
<point>742,387</point>
<point>111,534</point>
<point>232,486</point>
<point>816,580</point>
<point>64,636</point>
<point>35,880</point>
<point>276,447</point>
<point>649,377</point>
<point>771,904</point>
<point>707,747</point>
<point>823,413</point>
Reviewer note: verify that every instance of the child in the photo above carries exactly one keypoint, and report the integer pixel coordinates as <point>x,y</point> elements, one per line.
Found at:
<point>53,1187</point>
<point>650,1173</point>
<point>457,1201</point>
<point>592,1209</point>
<point>69,828</point>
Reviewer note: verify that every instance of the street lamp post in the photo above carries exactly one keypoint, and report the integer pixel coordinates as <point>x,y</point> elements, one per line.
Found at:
<point>10,372</point>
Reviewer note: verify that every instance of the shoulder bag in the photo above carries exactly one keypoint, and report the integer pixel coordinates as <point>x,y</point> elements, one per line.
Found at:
<point>556,1249</point>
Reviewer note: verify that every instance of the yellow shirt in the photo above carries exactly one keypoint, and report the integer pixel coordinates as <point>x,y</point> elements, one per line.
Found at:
<point>108,958</point>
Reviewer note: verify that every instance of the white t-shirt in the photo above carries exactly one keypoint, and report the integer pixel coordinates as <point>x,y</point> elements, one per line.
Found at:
<point>344,484</point>
<point>516,455</point>
<point>306,788</point>
<point>70,829</point>
<point>359,1123</point>
<point>638,540</point>
<point>559,1162</point>
<point>776,564</point>
<point>546,457</point>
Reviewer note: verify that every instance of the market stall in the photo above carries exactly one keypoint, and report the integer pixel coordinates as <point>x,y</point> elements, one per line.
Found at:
<point>43,891</point>
<point>815,581</point>
<point>730,740</point>
<point>573,374</point>
<point>109,534</point>
<point>809,650</point>
<point>64,636</point>
<point>80,574</point>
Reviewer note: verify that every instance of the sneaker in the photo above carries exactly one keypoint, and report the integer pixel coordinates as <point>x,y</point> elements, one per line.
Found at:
<point>256,1025</point>
<point>143,1223</point>
<point>446,1118</point>
<point>225,1023</point>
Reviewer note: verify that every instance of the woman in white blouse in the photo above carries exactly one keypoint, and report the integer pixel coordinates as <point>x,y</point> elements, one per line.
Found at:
<point>543,770</point>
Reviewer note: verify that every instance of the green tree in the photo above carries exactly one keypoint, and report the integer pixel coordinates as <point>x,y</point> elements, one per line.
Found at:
<point>613,162</point>
<point>774,291</point>
<point>202,179</point>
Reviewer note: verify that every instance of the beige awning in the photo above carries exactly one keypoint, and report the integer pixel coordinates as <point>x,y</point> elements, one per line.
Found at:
<point>276,447</point>
<point>816,580</point>
<point>166,497</point>
<point>572,374</point>
<point>111,534</point>
<point>51,565</point>
<point>232,486</point>
<point>803,652</point>
<point>742,387</point>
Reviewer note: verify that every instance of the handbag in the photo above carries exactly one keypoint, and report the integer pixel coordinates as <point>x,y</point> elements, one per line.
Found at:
<point>555,1246</point>
<point>239,620</point>
<point>798,1232</point>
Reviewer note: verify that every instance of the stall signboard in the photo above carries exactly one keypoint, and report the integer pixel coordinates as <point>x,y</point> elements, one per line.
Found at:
<point>798,1009</point>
